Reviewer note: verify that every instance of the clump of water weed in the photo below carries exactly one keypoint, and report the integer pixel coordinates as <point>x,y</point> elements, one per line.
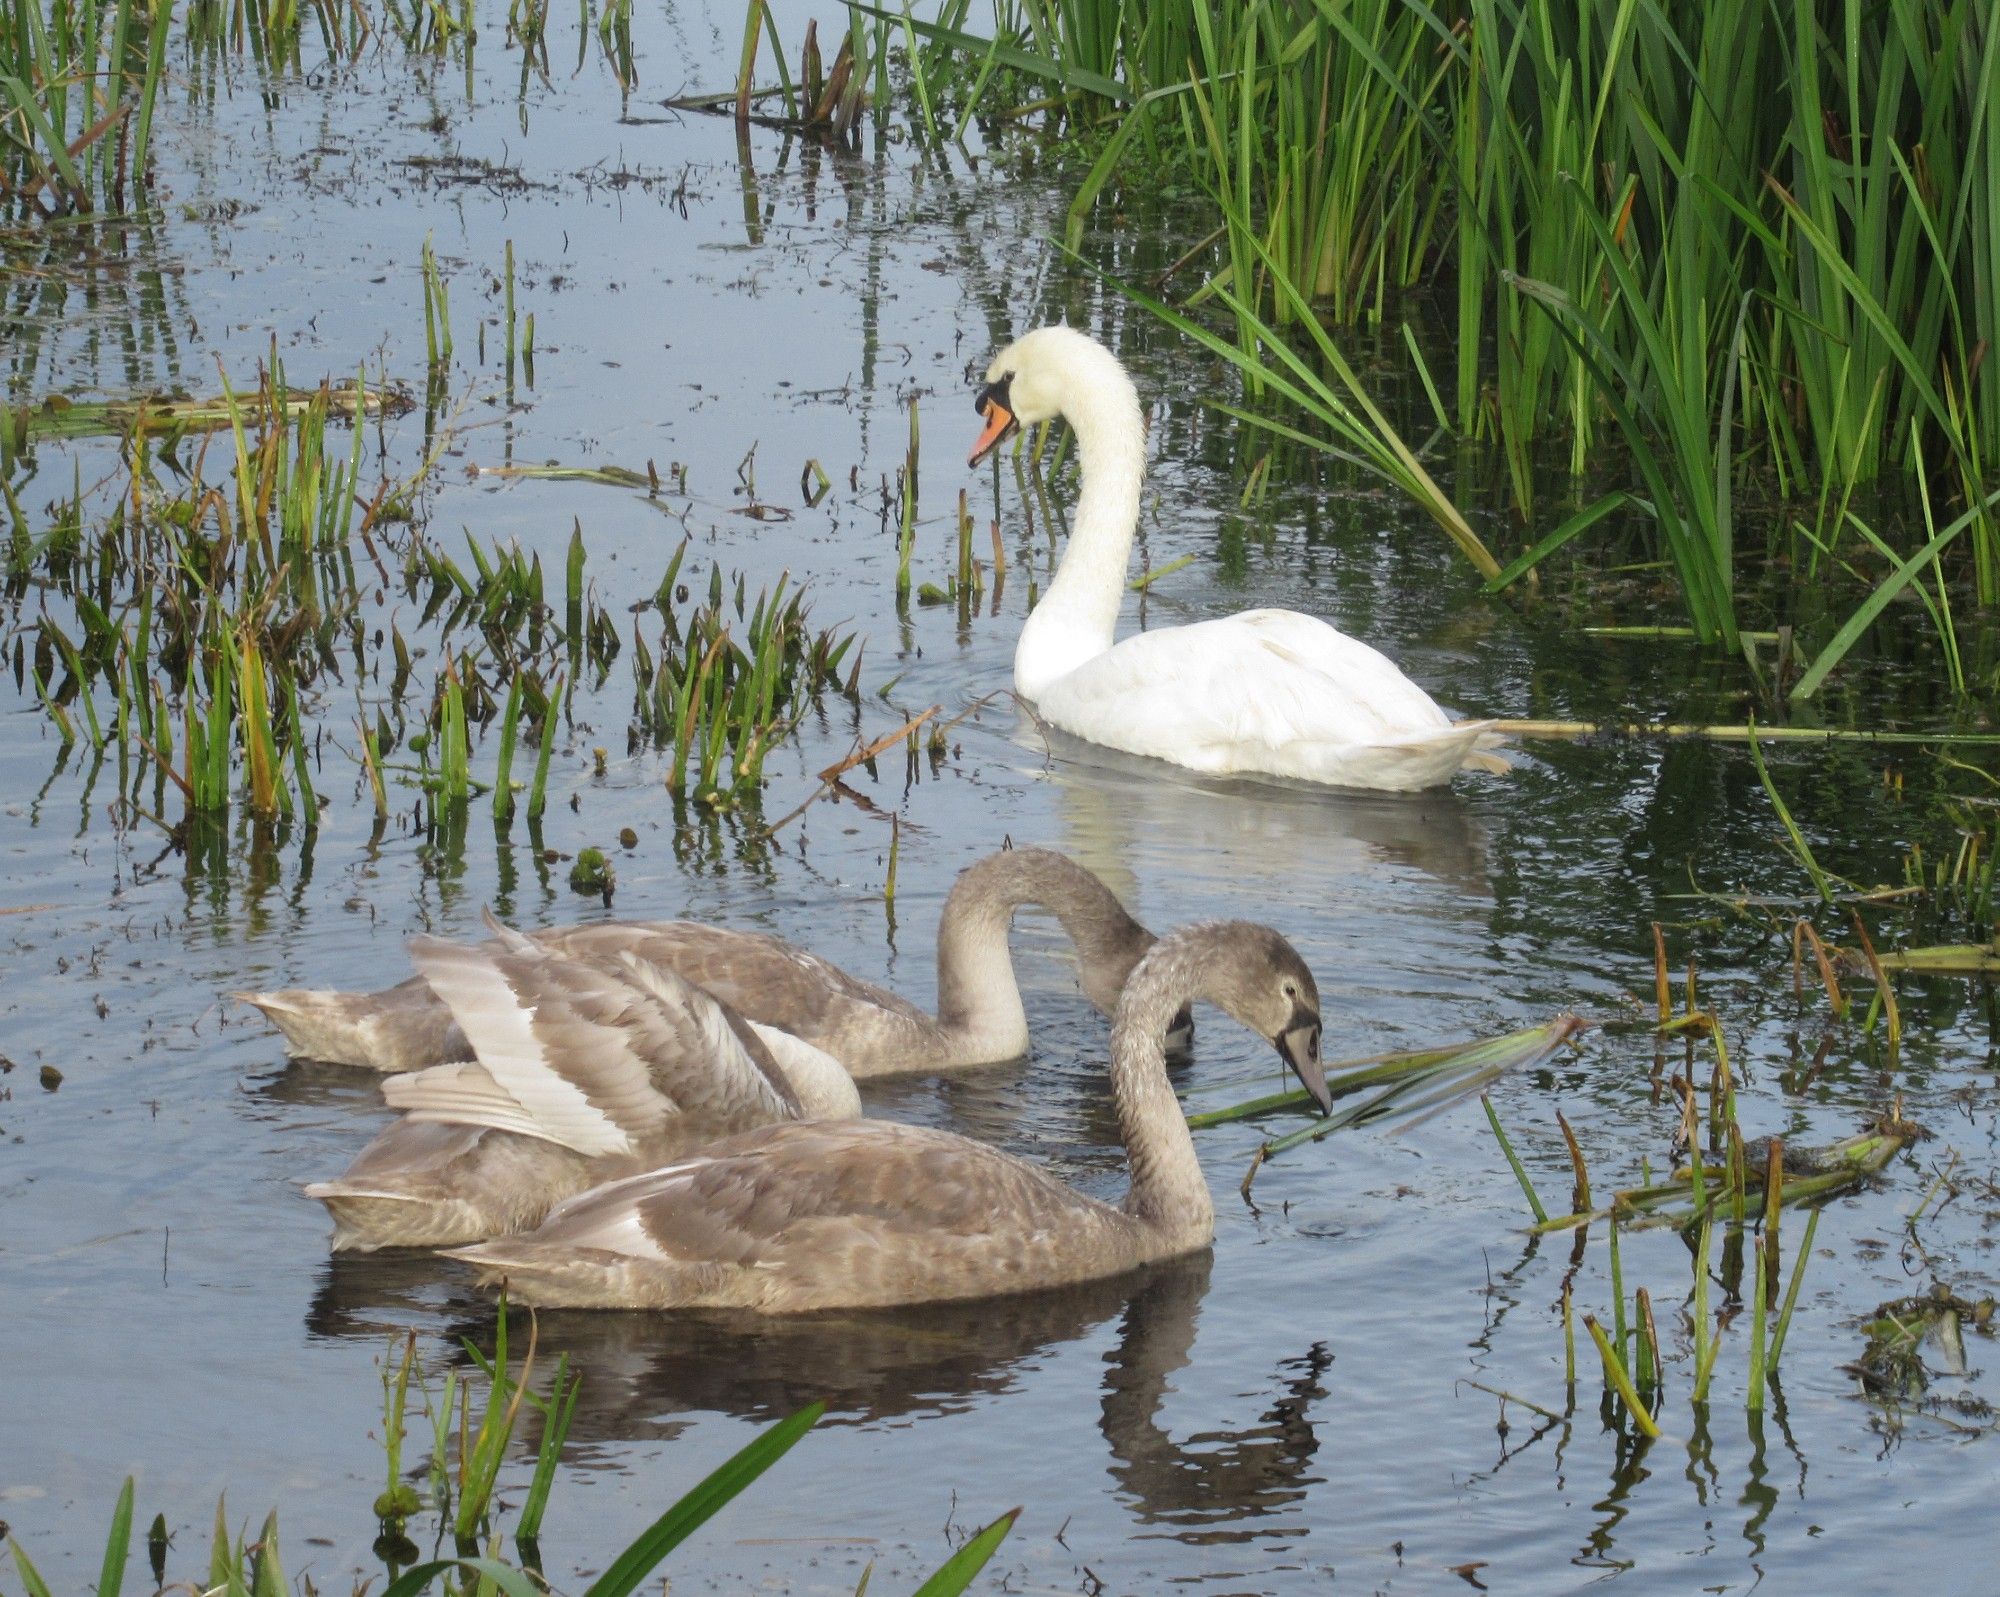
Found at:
<point>592,874</point>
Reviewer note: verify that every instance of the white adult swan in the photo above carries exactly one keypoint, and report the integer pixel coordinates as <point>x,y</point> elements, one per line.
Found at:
<point>767,980</point>
<point>1264,692</point>
<point>576,1071</point>
<point>868,1213</point>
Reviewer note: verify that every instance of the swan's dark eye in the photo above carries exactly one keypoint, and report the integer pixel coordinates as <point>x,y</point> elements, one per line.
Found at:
<point>1291,989</point>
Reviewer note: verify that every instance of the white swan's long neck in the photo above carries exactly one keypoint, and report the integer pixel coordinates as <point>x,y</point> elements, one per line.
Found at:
<point>1078,617</point>
<point>1169,1194</point>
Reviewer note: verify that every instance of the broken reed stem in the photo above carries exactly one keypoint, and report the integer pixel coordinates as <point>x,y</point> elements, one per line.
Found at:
<point>1691,1135</point>
<point>1569,1336</point>
<point>832,774</point>
<point>1580,1193</point>
<point>1706,1338</point>
<point>1617,1295</point>
<point>1754,1399</point>
<point>1662,989</point>
<point>1774,1192</point>
<point>1152,574</point>
<point>510,307</point>
<point>1652,1372</point>
<point>895,848</point>
<point>863,756</point>
<point>1803,930</point>
<point>906,534</point>
<point>1884,989</point>
<point>1621,1383</point>
<point>1792,1293</point>
<point>1729,734</point>
<point>1521,1175</point>
<point>964,543</point>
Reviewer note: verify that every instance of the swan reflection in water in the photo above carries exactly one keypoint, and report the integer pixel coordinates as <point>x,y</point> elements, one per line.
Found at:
<point>1121,815</point>
<point>648,1377</point>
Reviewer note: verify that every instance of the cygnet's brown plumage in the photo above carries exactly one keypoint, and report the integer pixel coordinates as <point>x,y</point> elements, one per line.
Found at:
<point>870,1031</point>
<point>577,1071</point>
<point>797,1217</point>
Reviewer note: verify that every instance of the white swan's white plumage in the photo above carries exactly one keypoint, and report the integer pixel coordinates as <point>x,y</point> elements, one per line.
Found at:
<point>1264,692</point>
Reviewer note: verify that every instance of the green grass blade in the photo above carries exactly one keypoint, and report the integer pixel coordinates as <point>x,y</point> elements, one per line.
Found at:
<point>698,1506</point>
<point>958,1570</point>
<point>1046,68</point>
<point>1401,1073</point>
<point>118,1545</point>
<point>1865,613</point>
<point>1582,521</point>
<point>1800,850</point>
<point>1513,1160</point>
<point>31,1577</point>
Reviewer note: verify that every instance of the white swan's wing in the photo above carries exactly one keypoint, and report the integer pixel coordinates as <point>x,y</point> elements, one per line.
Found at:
<point>599,1056</point>
<point>1269,691</point>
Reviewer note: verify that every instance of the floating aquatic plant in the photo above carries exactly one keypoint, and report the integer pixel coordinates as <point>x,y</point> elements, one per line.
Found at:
<point>1397,1086</point>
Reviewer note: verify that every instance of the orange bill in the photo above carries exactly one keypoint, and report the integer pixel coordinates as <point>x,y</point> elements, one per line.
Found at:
<point>999,423</point>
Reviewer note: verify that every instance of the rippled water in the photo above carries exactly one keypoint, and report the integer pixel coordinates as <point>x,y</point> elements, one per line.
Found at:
<point>1300,1403</point>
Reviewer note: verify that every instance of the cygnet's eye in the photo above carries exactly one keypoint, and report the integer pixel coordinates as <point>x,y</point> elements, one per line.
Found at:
<point>1291,989</point>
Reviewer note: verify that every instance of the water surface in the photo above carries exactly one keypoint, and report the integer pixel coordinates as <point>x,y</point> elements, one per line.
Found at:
<point>1302,1403</point>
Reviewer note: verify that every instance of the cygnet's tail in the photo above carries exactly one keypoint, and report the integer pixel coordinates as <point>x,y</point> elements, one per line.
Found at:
<point>369,1217</point>
<point>558,1275</point>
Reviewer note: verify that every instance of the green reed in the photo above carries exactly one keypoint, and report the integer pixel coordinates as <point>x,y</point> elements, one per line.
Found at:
<point>78,83</point>
<point>437,315</point>
<point>726,681</point>
<point>1755,245</point>
<point>907,524</point>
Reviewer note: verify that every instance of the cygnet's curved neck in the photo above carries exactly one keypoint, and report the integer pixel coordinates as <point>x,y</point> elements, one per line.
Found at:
<point>1169,1194</point>
<point>979,1001</point>
<point>1077,618</point>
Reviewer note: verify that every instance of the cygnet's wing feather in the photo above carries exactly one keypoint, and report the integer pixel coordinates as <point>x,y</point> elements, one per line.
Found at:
<point>816,1081</point>
<point>529,1023</point>
<point>462,1094</point>
<point>1266,690</point>
<point>822,1185</point>
<point>702,1054</point>
<point>598,1056</point>
<point>762,977</point>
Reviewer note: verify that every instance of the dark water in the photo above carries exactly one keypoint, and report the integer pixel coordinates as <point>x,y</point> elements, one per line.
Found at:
<point>1300,1404</point>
